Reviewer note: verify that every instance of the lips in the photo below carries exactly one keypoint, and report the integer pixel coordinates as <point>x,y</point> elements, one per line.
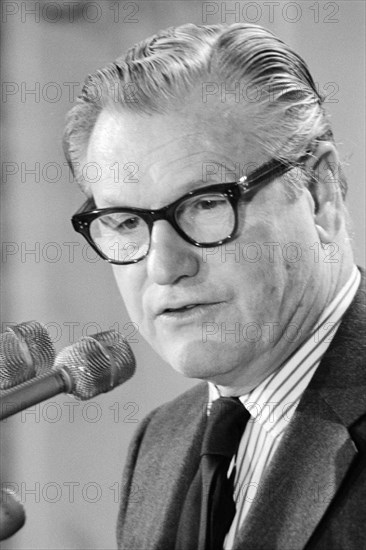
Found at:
<point>174,309</point>
<point>181,308</point>
<point>175,315</point>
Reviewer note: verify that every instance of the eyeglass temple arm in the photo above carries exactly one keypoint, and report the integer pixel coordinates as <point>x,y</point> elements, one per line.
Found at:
<point>269,171</point>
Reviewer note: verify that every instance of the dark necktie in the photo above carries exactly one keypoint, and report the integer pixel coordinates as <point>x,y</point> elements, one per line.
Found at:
<point>209,508</point>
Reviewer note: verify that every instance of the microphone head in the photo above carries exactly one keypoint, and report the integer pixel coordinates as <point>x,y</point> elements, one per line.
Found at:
<point>97,364</point>
<point>26,350</point>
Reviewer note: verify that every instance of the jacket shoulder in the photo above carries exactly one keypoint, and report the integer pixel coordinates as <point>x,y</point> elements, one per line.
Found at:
<point>162,454</point>
<point>174,411</point>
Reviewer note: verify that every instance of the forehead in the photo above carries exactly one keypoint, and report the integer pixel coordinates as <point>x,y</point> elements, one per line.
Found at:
<point>184,143</point>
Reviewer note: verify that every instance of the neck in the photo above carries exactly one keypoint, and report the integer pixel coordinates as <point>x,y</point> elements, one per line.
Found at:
<point>304,319</point>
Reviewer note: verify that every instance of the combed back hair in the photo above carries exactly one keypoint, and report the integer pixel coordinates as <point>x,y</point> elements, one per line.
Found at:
<point>273,84</point>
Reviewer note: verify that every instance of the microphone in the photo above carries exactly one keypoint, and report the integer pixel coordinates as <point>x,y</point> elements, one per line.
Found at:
<point>26,350</point>
<point>93,365</point>
<point>12,514</point>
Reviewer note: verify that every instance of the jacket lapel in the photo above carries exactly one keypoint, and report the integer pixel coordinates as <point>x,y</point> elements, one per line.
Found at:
<point>319,450</point>
<point>303,478</point>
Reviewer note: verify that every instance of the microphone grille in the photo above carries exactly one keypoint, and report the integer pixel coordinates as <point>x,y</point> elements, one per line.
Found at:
<point>26,350</point>
<point>96,364</point>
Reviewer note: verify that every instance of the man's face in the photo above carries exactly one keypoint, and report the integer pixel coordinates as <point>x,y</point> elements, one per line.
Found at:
<point>243,293</point>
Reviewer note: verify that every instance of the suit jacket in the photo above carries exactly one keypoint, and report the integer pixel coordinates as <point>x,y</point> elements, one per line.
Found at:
<point>313,496</point>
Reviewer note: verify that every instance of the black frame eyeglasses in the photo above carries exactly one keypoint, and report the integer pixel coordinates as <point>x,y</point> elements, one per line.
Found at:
<point>229,193</point>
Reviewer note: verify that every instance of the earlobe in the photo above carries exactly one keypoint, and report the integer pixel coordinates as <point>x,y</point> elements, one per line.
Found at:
<point>323,166</point>
<point>324,236</point>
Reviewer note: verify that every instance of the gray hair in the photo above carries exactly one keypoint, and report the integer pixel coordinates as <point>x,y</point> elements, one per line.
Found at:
<point>271,80</point>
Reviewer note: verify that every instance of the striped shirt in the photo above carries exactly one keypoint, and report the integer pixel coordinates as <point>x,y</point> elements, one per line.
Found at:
<point>273,402</point>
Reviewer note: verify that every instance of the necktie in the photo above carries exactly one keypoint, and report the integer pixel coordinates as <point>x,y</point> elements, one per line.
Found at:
<point>209,508</point>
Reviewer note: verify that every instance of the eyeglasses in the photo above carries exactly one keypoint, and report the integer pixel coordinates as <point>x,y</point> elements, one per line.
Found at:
<point>205,217</point>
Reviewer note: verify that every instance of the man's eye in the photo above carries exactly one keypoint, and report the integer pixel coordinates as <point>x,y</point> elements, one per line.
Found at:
<point>129,224</point>
<point>120,223</point>
<point>209,203</point>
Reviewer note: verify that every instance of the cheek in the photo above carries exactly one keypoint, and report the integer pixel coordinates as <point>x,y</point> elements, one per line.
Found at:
<point>129,285</point>
<point>253,284</point>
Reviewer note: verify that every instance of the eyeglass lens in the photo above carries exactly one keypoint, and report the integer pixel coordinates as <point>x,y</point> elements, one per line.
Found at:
<point>125,237</point>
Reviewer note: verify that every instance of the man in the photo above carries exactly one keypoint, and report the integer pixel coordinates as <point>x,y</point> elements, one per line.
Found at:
<point>220,206</point>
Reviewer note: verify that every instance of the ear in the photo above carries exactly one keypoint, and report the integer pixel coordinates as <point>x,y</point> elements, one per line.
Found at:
<point>325,190</point>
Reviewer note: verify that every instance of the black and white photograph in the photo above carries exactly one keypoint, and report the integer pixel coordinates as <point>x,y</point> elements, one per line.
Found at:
<point>183,310</point>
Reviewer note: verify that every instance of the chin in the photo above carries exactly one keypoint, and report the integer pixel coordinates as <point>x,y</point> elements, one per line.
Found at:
<point>211,361</point>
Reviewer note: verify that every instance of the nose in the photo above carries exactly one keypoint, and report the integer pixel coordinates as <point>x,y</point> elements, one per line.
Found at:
<point>170,257</point>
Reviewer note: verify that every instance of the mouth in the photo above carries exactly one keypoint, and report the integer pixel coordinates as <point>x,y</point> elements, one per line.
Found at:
<point>178,309</point>
<point>187,312</point>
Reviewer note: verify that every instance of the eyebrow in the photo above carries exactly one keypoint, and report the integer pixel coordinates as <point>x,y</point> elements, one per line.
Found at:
<point>186,188</point>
